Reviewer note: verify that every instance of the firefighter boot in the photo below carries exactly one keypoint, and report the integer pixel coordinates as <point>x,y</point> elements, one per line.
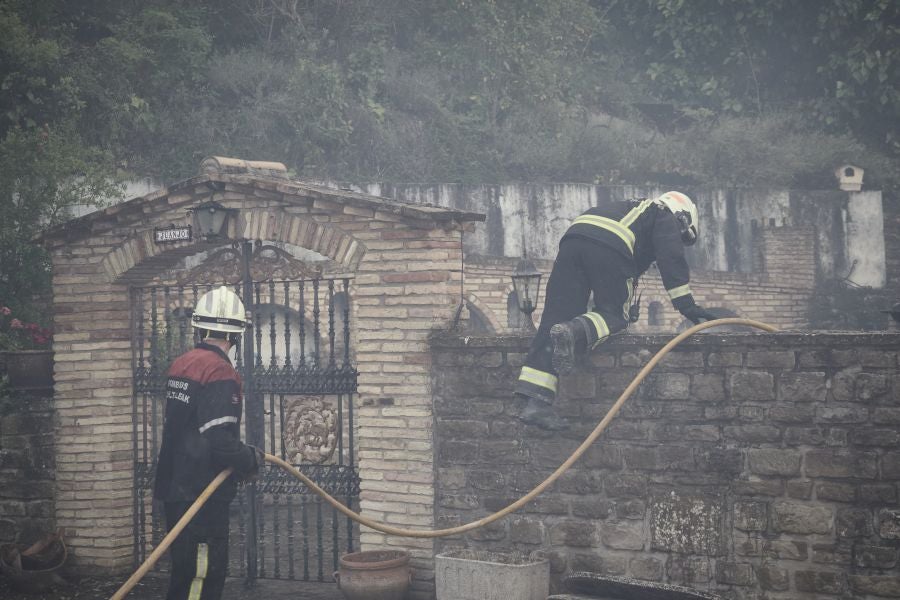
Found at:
<point>569,339</point>
<point>540,414</point>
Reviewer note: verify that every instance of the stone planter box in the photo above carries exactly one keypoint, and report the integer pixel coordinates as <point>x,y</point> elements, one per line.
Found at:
<point>28,369</point>
<point>480,575</point>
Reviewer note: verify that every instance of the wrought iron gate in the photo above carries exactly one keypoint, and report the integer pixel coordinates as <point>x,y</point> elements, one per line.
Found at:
<point>298,389</point>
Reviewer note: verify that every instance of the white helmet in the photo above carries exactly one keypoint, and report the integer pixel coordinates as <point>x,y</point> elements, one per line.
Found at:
<point>686,212</point>
<point>220,310</point>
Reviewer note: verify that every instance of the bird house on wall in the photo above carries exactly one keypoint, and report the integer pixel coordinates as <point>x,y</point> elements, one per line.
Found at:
<point>849,177</point>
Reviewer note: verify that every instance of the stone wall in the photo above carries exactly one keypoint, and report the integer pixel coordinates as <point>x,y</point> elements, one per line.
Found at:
<point>27,466</point>
<point>753,465</point>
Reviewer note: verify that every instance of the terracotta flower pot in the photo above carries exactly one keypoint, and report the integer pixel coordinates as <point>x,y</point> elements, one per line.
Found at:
<point>374,575</point>
<point>29,369</point>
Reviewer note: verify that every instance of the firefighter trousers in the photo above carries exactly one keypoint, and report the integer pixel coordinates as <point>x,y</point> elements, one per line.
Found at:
<point>582,267</point>
<point>200,554</point>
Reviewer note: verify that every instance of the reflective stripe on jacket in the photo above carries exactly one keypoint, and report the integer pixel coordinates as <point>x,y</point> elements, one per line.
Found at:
<point>643,232</point>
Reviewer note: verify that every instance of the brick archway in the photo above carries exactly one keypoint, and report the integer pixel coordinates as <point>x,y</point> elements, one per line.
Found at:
<point>138,257</point>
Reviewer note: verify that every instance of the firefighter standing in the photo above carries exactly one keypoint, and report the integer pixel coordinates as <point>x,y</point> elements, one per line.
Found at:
<point>604,251</point>
<point>201,437</point>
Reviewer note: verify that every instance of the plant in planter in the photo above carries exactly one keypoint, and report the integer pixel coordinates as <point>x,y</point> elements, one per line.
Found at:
<point>26,354</point>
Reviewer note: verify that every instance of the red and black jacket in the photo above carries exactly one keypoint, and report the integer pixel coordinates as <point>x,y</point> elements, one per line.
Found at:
<point>643,232</point>
<point>201,433</point>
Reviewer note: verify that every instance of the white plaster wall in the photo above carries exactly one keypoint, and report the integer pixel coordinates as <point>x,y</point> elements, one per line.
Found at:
<point>864,232</point>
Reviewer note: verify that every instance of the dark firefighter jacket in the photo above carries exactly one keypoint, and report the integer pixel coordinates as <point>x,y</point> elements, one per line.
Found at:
<point>201,434</point>
<point>643,232</point>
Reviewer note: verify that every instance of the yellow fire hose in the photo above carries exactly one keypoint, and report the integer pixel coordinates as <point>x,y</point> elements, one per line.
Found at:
<point>434,533</point>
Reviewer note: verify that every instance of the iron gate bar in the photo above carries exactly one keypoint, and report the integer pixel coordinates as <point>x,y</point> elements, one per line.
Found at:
<point>161,331</point>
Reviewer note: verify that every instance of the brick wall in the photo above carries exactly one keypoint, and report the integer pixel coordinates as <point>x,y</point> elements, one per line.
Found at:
<point>404,263</point>
<point>26,467</point>
<point>754,465</point>
<point>778,292</point>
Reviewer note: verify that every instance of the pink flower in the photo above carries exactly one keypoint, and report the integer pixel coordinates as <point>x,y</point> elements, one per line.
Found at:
<point>5,311</point>
<point>15,324</point>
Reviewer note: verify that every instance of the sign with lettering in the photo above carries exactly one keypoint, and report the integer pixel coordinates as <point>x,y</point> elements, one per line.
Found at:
<point>175,233</point>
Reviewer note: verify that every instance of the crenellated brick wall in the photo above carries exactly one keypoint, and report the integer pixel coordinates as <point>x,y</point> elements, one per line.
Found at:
<point>778,291</point>
<point>753,465</point>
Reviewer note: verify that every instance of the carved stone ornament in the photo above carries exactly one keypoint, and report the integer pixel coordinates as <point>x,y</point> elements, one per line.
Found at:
<point>310,430</point>
<point>268,263</point>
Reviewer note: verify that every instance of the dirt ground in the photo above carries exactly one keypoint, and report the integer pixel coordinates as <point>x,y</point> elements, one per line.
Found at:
<point>153,587</point>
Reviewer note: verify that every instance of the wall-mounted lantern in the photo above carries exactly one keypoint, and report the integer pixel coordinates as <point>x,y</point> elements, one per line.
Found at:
<point>211,219</point>
<point>527,284</point>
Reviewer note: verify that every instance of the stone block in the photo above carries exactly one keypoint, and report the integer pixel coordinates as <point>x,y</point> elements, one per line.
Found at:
<point>646,568</point>
<point>577,534</point>
<point>773,578</point>
<point>486,480</point>
<point>853,523</point>
<point>461,429</point>
<point>753,434</point>
<point>641,458</point>
<point>682,360</point>
<point>594,563</point>
<point>631,509</point>
<point>768,487</point>
<point>801,387</point>
<point>814,359</point>
<point>843,384</point>
<point>734,573</point>
<point>492,532</point>
<point>724,359</point>
<point>836,492</point>
<point>750,516</point>
<point>625,485</point>
<point>890,465</point>
<point>707,387</point>
<point>503,452</point>
<point>774,359</point>
<point>456,453</point>
<point>726,461</point>
<point>884,586</point>
<point>799,489</point>
<point>791,414</point>
<point>820,582</point>
<point>524,530</point>
<point>751,386</point>
<point>877,493</point>
<point>831,554</point>
<point>786,550</point>
<point>889,523</point>
<point>772,461</point>
<point>685,524</point>
<point>580,482</point>
<point>874,557</point>
<point>671,386</point>
<point>794,517</point>
<point>622,535</point>
<point>872,387</point>
<point>865,436</point>
<point>841,464</point>
<point>592,508</point>
<point>841,414</point>
<point>804,436</point>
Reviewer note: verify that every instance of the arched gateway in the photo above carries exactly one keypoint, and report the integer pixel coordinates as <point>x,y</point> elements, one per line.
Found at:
<point>343,289</point>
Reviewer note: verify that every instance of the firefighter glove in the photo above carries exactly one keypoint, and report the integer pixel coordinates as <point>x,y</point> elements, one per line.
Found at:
<point>696,314</point>
<point>259,459</point>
